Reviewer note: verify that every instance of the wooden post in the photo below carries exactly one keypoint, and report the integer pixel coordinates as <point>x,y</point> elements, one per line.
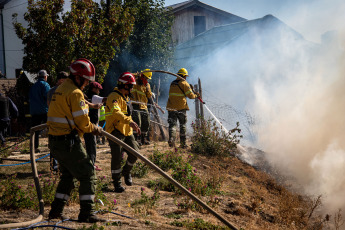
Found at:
<point>197,113</point>
<point>158,87</point>
<point>201,104</point>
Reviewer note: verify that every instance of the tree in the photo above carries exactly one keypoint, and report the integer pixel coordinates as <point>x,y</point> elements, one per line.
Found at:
<point>54,38</point>
<point>148,45</point>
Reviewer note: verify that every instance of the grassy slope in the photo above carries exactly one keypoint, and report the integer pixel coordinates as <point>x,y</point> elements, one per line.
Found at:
<point>249,199</point>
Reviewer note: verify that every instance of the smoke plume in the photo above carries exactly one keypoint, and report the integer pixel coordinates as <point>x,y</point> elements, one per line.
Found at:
<point>295,89</point>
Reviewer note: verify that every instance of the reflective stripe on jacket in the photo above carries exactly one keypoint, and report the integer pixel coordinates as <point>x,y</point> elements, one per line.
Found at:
<point>68,101</point>
<point>141,93</point>
<point>116,114</point>
<point>179,90</point>
<point>102,113</point>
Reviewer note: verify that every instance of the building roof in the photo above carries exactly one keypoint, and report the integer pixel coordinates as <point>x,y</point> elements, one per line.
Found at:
<point>195,3</point>
<point>210,41</point>
<point>3,3</point>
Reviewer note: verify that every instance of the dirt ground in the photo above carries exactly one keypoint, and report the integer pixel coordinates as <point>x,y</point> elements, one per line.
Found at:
<point>250,198</point>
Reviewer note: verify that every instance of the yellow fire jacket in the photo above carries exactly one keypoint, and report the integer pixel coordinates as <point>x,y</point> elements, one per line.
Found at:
<point>179,90</point>
<point>141,93</point>
<point>68,103</point>
<point>116,114</point>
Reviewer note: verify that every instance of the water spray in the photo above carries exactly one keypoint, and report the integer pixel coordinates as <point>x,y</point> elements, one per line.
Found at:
<point>245,156</point>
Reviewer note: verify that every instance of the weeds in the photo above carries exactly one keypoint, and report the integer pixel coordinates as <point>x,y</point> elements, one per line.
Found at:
<point>209,139</point>
<point>197,224</point>
<point>15,197</point>
<point>48,188</point>
<point>167,160</point>
<point>140,170</point>
<point>101,185</point>
<point>146,203</point>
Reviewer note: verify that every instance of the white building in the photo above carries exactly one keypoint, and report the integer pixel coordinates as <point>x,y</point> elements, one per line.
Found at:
<point>11,47</point>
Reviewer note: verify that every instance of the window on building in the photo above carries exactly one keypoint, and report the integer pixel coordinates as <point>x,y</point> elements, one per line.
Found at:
<point>199,24</point>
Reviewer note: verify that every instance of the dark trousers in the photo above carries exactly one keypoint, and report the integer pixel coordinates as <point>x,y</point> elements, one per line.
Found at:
<point>74,162</point>
<point>38,119</point>
<point>90,145</point>
<point>116,155</point>
<point>173,117</point>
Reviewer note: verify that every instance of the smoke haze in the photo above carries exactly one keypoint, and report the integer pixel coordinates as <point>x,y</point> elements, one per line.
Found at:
<point>295,89</point>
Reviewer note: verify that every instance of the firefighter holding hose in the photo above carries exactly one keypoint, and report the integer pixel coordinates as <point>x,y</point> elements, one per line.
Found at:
<point>68,120</point>
<point>140,95</point>
<point>119,123</point>
<point>177,107</point>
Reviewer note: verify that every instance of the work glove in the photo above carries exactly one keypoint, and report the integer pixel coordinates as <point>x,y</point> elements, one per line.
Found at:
<point>97,131</point>
<point>197,94</point>
<point>153,95</point>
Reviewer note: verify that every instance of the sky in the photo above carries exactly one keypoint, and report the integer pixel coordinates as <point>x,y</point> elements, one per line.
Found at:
<point>311,18</point>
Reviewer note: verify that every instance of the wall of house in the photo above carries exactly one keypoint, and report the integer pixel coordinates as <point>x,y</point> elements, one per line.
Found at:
<point>13,45</point>
<point>183,26</point>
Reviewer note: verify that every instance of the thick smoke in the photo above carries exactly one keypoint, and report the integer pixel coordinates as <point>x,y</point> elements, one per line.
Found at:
<point>295,89</point>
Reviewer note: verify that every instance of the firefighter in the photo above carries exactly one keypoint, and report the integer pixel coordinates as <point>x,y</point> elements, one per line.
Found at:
<point>177,107</point>
<point>68,120</point>
<point>118,122</point>
<point>140,95</point>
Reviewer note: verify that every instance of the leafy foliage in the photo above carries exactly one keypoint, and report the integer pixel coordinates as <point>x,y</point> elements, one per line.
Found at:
<point>54,38</point>
<point>209,139</point>
<point>148,45</point>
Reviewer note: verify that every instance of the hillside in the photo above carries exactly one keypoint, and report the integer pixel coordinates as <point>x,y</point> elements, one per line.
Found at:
<point>244,195</point>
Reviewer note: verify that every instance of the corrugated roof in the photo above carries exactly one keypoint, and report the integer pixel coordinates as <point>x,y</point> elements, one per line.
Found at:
<point>193,3</point>
<point>208,42</point>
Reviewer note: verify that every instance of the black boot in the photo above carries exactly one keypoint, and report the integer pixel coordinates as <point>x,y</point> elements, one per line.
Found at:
<point>128,179</point>
<point>118,187</point>
<point>57,209</point>
<point>143,140</point>
<point>89,218</point>
<point>138,139</point>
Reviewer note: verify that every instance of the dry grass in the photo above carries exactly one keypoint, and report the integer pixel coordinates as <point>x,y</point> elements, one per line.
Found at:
<point>248,198</point>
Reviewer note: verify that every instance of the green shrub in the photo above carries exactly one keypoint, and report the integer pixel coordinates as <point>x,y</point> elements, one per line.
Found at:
<point>140,170</point>
<point>48,188</point>
<point>15,197</point>
<point>145,203</point>
<point>163,184</point>
<point>209,139</point>
<point>166,160</point>
<point>197,224</point>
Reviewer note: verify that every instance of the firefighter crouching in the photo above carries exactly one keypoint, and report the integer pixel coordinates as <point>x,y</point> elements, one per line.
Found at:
<point>140,94</point>
<point>68,120</point>
<point>120,124</point>
<point>177,107</point>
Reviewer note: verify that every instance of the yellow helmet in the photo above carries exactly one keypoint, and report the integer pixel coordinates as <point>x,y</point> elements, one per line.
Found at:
<point>148,75</point>
<point>183,72</point>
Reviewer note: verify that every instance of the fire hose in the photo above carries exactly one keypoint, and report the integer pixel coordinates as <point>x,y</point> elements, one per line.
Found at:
<point>36,180</point>
<point>170,179</point>
<point>129,149</point>
<point>162,71</point>
<point>239,147</point>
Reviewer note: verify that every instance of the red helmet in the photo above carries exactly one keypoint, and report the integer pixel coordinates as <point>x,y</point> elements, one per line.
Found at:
<point>96,85</point>
<point>84,68</point>
<point>126,78</point>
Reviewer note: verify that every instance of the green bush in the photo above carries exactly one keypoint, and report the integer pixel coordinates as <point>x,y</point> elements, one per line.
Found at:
<point>140,170</point>
<point>209,139</point>
<point>166,160</point>
<point>15,197</point>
